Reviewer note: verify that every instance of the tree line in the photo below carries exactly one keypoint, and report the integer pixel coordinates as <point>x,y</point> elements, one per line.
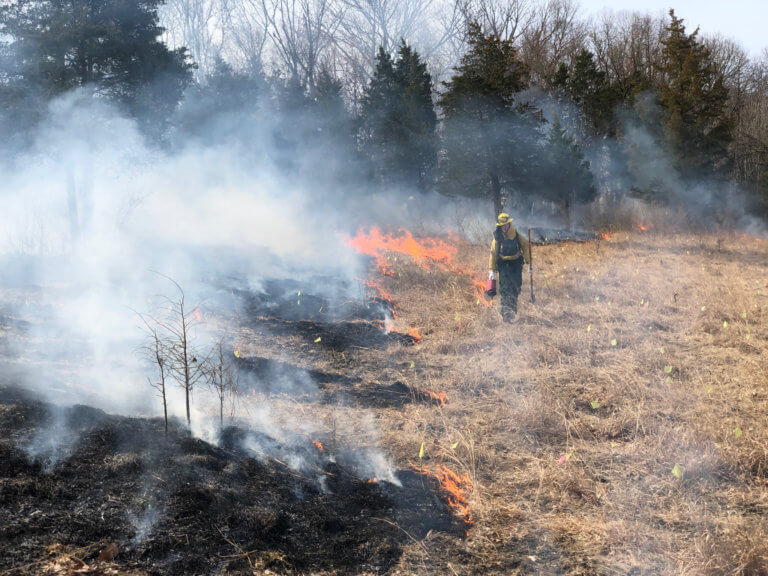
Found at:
<point>469,97</point>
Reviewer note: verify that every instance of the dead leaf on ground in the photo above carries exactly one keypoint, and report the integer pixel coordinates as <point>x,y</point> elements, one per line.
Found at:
<point>108,553</point>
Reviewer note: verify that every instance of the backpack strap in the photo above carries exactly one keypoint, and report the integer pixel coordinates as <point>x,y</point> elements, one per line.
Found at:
<point>498,235</point>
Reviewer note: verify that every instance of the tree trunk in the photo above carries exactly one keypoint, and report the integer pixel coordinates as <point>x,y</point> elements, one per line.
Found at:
<point>565,211</point>
<point>73,212</point>
<point>496,193</point>
<point>185,359</point>
<point>165,410</point>
<point>189,419</point>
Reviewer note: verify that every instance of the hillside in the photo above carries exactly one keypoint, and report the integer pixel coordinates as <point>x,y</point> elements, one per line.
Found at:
<point>617,426</point>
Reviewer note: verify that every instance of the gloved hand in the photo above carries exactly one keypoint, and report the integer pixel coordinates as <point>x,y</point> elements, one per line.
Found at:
<point>491,275</point>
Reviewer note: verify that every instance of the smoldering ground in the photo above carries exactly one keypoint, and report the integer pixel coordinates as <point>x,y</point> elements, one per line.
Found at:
<point>183,505</point>
<point>92,214</point>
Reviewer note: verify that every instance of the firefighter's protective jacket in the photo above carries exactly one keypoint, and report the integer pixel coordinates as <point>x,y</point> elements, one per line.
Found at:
<point>508,239</point>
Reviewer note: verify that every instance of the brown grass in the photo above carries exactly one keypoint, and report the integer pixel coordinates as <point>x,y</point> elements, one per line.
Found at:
<point>642,354</point>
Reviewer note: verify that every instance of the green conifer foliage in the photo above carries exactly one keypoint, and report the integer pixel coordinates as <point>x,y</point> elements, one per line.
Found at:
<point>489,138</point>
<point>108,45</point>
<point>589,88</point>
<point>398,121</point>
<point>693,97</point>
<point>567,179</point>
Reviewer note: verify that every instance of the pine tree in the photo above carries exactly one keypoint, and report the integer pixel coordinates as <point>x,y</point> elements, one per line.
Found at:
<point>418,155</point>
<point>489,139</point>
<point>590,89</point>
<point>379,118</point>
<point>567,178</point>
<point>223,104</point>
<point>291,131</point>
<point>587,86</point>
<point>398,121</point>
<point>693,97</point>
<point>333,129</point>
<point>110,46</point>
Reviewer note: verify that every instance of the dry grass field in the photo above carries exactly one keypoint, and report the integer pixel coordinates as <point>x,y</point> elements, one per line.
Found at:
<point>618,426</point>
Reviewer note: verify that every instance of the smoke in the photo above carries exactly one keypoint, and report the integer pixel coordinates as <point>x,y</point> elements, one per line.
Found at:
<point>92,210</point>
<point>57,439</point>
<point>95,223</point>
<point>634,170</point>
<point>52,443</point>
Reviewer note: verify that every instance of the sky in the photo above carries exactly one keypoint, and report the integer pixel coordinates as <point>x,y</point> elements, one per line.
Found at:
<point>740,20</point>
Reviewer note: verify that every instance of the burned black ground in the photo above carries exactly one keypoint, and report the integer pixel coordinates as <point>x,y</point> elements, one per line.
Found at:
<point>180,505</point>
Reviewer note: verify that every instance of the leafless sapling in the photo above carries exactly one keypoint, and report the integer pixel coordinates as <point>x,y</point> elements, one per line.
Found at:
<point>224,377</point>
<point>155,351</point>
<point>182,360</point>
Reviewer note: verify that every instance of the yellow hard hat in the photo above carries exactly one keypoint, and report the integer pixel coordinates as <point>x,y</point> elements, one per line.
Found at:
<point>503,219</point>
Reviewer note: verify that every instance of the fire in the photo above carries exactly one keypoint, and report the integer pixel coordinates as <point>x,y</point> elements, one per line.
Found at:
<point>383,294</point>
<point>426,252</point>
<point>414,333</point>
<point>439,398</point>
<point>319,445</point>
<point>377,245</point>
<point>455,489</point>
<point>644,226</point>
<point>607,236</point>
<point>480,294</point>
<point>373,481</point>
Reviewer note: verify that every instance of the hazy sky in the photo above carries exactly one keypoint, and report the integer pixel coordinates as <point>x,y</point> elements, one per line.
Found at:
<point>741,20</point>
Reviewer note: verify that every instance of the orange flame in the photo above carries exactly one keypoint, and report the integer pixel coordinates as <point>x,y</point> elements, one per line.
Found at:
<point>607,236</point>
<point>383,294</point>
<point>414,333</point>
<point>454,489</point>
<point>319,445</point>
<point>480,294</point>
<point>644,226</point>
<point>373,481</point>
<point>378,245</point>
<point>439,398</point>
<point>424,251</point>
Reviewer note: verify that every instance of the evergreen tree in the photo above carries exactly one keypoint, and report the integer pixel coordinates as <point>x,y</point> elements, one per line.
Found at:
<point>693,97</point>
<point>567,178</point>
<point>290,129</point>
<point>587,86</point>
<point>641,159</point>
<point>398,120</point>
<point>489,139</point>
<point>333,118</point>
<point>333,130</point>
<point>108,45</point>
<point>418,155</point>
<point>224,104</point>
<point>313,136</point>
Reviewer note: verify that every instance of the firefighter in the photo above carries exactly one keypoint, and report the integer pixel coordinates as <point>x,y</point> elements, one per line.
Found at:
<point>508,252</point>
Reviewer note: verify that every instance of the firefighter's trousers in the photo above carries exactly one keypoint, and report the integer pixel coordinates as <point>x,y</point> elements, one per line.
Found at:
<point>510,283</point>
